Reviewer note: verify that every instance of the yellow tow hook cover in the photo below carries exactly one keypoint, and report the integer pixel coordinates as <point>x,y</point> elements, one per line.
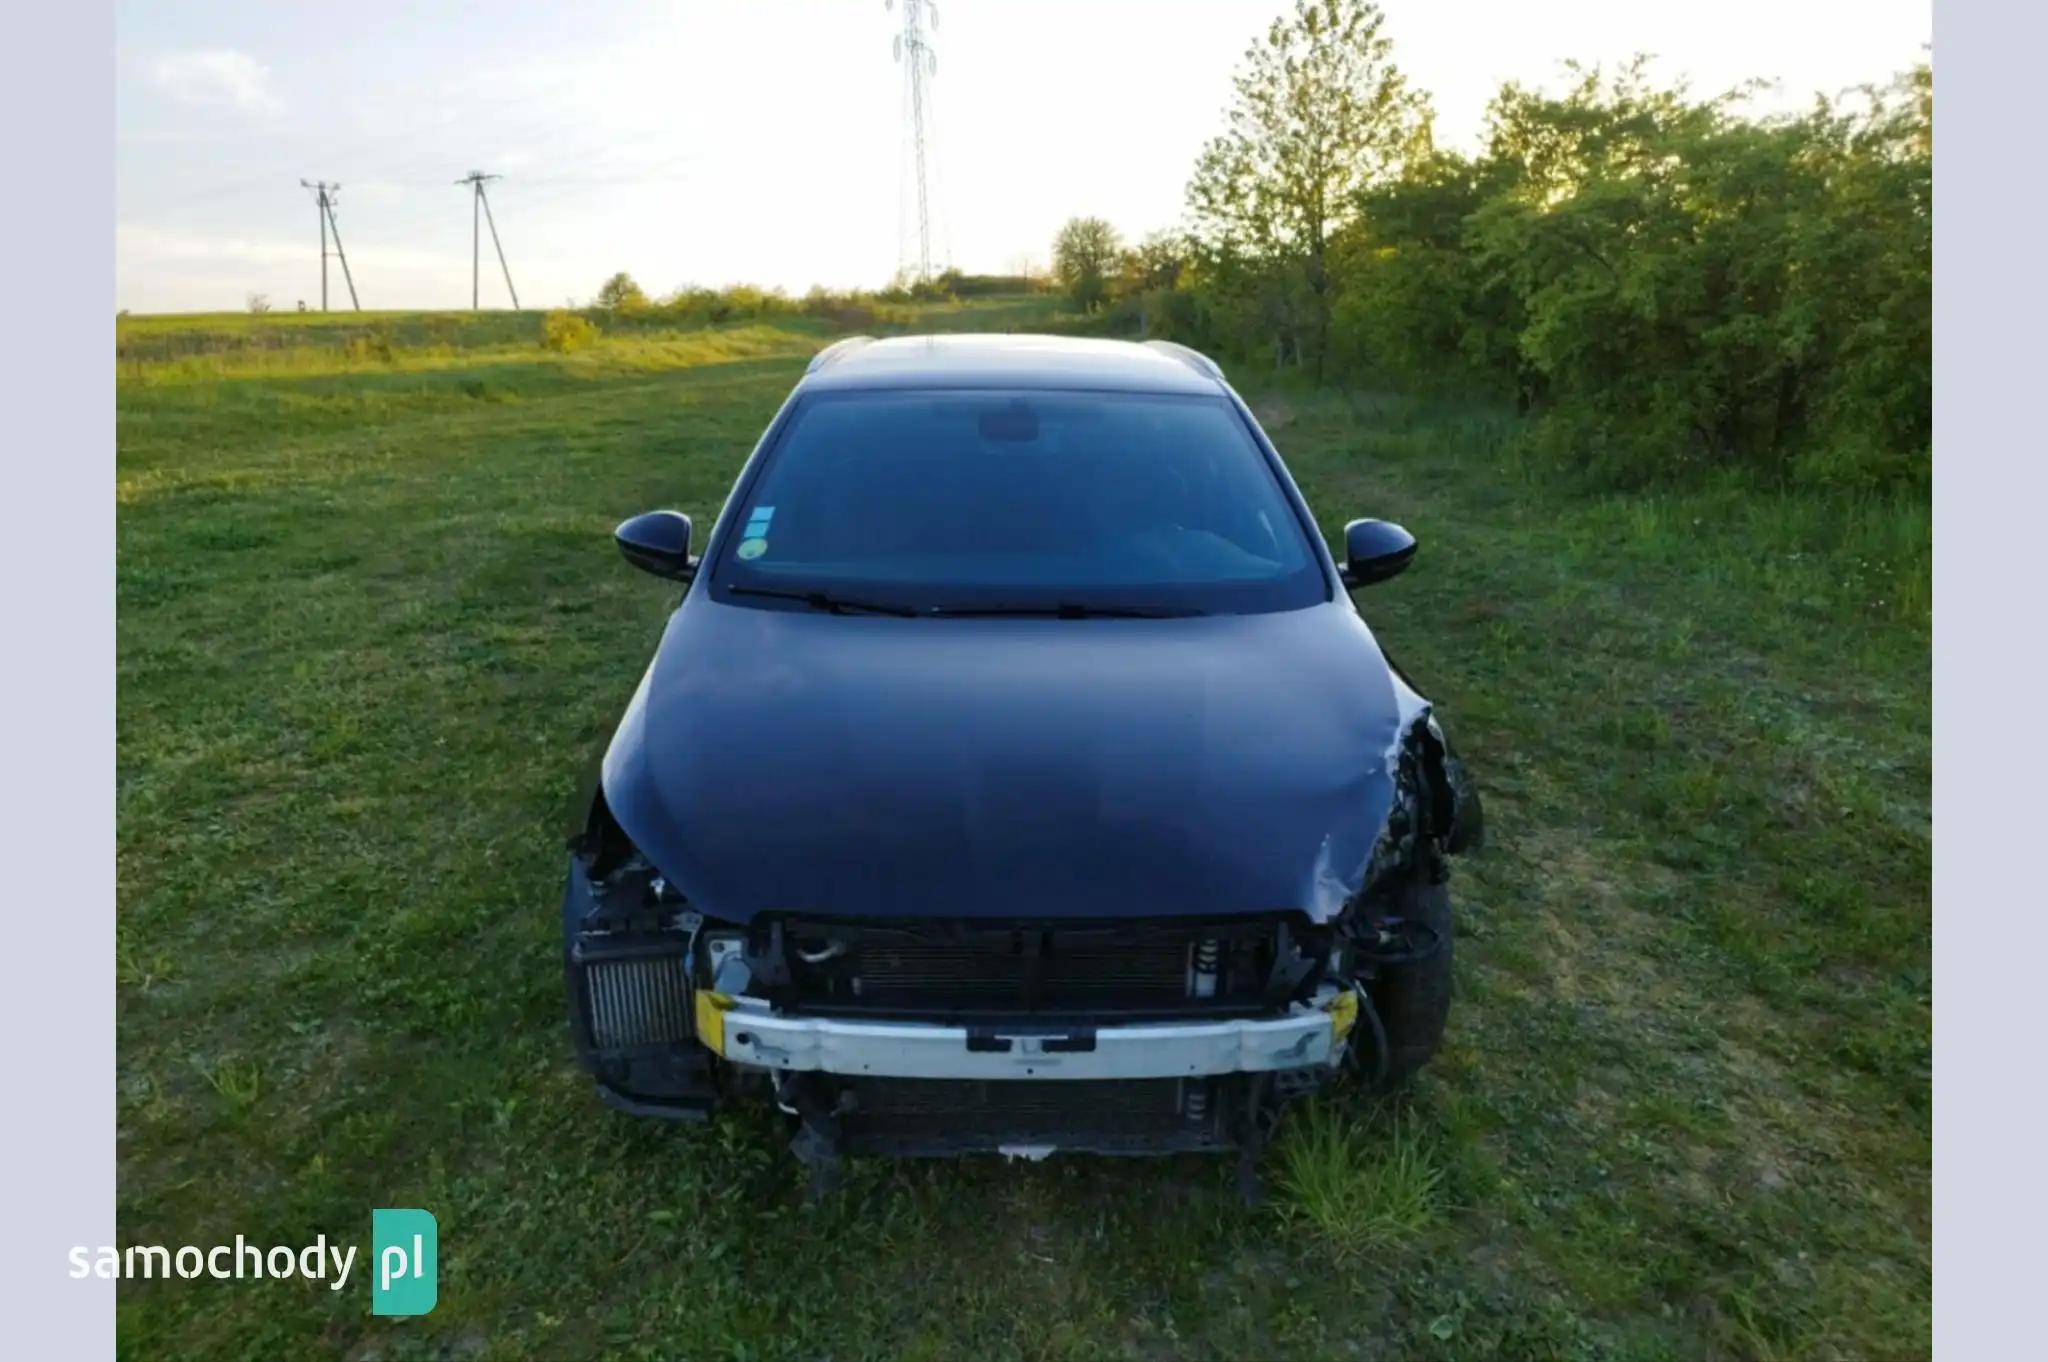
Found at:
<point>1343,1014</point>
<point>711,1010</point>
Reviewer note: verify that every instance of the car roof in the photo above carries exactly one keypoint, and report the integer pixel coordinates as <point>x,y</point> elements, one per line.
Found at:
<point>962,360</point>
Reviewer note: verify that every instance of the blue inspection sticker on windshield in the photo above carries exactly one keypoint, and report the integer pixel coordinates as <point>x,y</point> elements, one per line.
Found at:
<point>751,549</point>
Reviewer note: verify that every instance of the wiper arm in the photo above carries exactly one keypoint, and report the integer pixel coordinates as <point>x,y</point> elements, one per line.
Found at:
<point>1073,610</point>
<point>826,601</point>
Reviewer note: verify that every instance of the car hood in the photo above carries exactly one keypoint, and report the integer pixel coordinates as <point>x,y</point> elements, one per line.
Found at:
<point>871,766</point>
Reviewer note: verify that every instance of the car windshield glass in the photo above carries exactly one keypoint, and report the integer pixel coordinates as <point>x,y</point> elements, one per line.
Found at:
<point>1066,504</point>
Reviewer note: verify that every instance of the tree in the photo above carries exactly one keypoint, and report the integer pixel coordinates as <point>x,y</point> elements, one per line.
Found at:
<point>1148,287</point>
<point>1154,263</point>
<point>259,302</point>
<point>1084,255</point>
<point>620,294</point>
<point>1320,113</point>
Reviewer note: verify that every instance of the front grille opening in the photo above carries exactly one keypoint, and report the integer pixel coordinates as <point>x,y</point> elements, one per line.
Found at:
<point>932,970</point>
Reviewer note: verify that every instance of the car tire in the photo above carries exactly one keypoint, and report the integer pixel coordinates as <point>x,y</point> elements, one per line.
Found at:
<point>1413,998</point>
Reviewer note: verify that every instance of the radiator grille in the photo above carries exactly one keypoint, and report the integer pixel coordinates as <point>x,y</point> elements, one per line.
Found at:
<point>638,1002</point>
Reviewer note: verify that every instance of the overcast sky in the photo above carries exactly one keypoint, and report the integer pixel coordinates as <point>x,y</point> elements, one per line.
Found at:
<point>762,140</point>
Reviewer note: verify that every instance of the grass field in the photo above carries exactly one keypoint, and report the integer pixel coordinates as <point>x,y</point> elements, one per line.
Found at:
<point>372,630</point>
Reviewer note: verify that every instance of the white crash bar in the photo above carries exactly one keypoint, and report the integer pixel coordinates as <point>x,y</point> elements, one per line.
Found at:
<point>1304,1038</point>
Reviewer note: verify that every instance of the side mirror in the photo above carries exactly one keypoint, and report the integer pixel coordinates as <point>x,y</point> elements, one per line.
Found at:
<point>1375,550</point>
<point>657,542</point>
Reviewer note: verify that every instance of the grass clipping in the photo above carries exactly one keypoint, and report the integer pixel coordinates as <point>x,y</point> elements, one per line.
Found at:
<point>1360,1186</point>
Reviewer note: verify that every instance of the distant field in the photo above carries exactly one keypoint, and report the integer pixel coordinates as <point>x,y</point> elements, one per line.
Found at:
<point>219,344</point>
<point>372,629</point>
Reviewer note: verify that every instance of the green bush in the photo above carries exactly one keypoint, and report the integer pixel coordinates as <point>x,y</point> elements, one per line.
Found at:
<point>1672,286</point>
<point>1698,290</point>
<point>372,345</point>
<point>563,331</point>
<point>961,285</point>
<point>847,311</point>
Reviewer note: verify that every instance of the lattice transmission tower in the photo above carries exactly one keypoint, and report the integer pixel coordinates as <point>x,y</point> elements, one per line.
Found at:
<point>920,62</point>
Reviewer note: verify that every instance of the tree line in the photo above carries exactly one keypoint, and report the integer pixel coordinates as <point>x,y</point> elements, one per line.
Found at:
<point>1666,283</point>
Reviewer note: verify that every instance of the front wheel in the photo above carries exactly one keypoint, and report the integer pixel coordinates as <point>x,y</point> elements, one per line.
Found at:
<point>1413,997</point>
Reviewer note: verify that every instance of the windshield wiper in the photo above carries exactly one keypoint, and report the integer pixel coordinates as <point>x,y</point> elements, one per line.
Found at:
<point>826,601</point>
<point>1073,610</point>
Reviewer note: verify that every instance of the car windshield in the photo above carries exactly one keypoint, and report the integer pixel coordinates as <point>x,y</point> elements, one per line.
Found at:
<point>1025,502</point>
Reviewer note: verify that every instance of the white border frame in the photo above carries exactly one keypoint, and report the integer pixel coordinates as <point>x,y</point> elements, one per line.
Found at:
<point>57,538</point>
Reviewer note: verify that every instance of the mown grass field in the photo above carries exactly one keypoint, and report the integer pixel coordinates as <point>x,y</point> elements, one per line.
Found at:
<point>372,629</point>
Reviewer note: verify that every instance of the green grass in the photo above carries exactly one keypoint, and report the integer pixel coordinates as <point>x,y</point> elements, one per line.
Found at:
<point>1361,1187</point>
<point>372,631</point>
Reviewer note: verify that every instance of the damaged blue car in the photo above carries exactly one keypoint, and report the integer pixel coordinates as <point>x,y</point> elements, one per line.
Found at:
<point>1014,773</point>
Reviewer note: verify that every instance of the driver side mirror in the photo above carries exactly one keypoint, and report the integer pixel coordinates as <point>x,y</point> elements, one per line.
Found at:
<point>657,542</point>
<point>1375,550</point>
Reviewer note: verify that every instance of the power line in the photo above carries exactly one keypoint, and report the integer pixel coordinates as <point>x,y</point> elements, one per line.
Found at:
<point>478,201</point>
<point>323,196</point>
<point>920,62</point>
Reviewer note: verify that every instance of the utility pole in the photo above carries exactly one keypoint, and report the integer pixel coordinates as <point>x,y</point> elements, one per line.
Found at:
<point>324,195</point>
<point>480,213</point>
<point>920,62</point>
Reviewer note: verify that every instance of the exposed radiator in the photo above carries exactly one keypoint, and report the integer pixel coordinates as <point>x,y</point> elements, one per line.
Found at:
<point>1102,969</point>
<point>1142,972</point>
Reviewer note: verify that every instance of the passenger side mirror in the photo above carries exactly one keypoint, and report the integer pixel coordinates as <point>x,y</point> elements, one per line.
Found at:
<point>657,542</point>
<point>1375,550</point>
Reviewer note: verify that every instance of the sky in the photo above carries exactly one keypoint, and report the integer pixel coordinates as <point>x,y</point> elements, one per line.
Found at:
<point>763,141</point>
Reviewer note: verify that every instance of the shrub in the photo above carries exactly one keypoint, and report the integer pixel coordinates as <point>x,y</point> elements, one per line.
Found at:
<point>744,300</point>
<point>563,332</point>
<point>983,285</point>
<point>848,311</point>
<point>1673,287</point>
<point>371,345</point>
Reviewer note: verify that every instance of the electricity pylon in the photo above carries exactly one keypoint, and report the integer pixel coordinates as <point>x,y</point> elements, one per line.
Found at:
<point>323,195</point>
<point>920,62</point>
<point>480,203</point>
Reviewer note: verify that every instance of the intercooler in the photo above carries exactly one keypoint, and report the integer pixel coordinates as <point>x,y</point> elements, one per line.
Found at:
<point>633,1024</point>
<point>637,1001</point>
